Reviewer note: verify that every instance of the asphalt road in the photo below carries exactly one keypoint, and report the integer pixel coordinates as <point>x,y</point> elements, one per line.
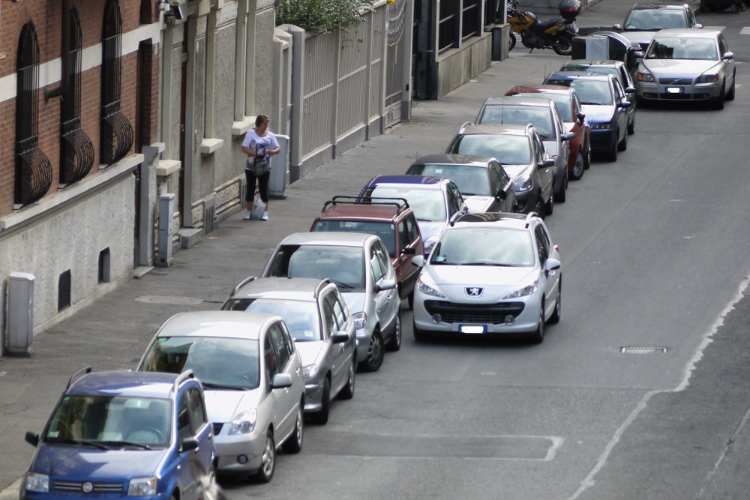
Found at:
<point>654,248</point>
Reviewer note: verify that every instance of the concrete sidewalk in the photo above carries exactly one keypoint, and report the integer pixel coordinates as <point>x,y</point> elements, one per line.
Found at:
<point>112,332</point>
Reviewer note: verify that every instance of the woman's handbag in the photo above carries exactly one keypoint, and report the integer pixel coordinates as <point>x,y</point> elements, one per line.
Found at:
<point>259,165</point>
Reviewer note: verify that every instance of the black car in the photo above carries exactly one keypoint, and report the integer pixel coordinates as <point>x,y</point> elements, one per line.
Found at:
<point>483,182</point>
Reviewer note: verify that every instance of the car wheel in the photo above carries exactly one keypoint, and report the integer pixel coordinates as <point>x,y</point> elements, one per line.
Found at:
<point>549,207</point>
<point>268,460</point>
<point>623,144</point>
<point>587,158</point>
<point>719,101</point>
<point>537,337</point>
<point>539,207</point>
<point>394,344</point>
<point>555,318</point>
<point>375,353</point>
<point>580,167</point>
<point>321,417</point>
<point>631,127</point>
<point>730,94</point>
<point>293,443</point>
<point>348,391</point>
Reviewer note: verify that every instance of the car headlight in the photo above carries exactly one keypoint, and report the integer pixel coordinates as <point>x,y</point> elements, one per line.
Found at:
<point>708,78</point>
<point>308,371</point>
<point>243,424</point>
<point>360,320</point>
<point>600,126</point>
<point>38,483</point>
<point>523,184</point>
<point>142,487</point>
<point>427,287</point>
<point>644,76</point>
<point>523,292</point>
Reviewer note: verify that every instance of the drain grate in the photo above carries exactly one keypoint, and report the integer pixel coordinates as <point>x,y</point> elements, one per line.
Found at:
<point>644,349</point>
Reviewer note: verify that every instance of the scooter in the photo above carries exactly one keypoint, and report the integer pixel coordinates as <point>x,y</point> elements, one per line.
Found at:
<point>556,34</point>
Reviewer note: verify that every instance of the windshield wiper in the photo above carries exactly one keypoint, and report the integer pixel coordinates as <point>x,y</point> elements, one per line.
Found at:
<point>485,263</point>
<point>590,103</point>
<point>128,443</point>
<point>223,387</point>
<point>84,442</point>
<point>345,286</point>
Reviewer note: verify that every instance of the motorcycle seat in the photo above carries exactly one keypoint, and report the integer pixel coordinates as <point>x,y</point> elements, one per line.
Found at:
<point>550,22</point>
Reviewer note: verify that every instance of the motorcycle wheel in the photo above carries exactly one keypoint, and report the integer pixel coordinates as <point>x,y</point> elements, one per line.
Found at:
<point>562,47</point>
<point>512,41</point>
<point>528,43</point>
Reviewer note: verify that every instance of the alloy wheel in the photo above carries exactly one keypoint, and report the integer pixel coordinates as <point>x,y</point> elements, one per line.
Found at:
<point>579,167</point>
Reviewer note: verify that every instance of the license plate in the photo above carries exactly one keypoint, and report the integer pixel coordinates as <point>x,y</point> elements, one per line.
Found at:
<point>674,90</point>
<point>473,329</point>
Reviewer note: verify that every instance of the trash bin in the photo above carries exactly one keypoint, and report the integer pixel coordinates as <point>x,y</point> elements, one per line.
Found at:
<point>20,320</point>
<point>279,170</point>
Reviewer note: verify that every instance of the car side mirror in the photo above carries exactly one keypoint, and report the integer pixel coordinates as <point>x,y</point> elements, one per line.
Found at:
<point>568,136</point>
<point>409,251</point>
<point>625,104</point>
<point>418,260</point>
<point>617,27</point>
<point>340,338</point>
<point>547,163</point>
<point>385,284</point>
<point>189,444</point>
<point>698,26</point>
<point>551,265</point>
<point>630,90</point>
<point>281,381</point>
<point>638,54</point>
<point>728,56</point>
<point>32,439</point>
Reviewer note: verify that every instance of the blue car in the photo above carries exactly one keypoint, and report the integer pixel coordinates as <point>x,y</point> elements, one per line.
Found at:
<point>605,104</point>
<point>124,434</point>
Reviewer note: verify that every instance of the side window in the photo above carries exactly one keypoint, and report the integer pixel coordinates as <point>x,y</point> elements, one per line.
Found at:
<point>411,225</point>
<point>722,45</point>
<point>539,149</point>
<point>452,201</point>
<point>377,270</point>
<point>287,340</point>
<point>542,244</point>
<point>403,235</point>
<point>271,359</point>
<point>496,181</point>
<point>625,79</point>
<point>280,348</point>
<point>184,428</point>
<point>197,410</point>
<point>338,313</point>
<point>329,317</point>
<point>382,256</point>
<point>504,178</point>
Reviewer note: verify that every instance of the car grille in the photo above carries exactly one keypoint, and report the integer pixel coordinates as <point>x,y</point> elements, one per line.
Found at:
<point>217,429</point>
<point>684,97</point>
<point>77,487</point>
<point>451,312</point>
<point>676,81</point>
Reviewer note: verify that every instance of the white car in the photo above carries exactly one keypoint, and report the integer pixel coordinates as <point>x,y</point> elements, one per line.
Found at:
<point>490,274</point>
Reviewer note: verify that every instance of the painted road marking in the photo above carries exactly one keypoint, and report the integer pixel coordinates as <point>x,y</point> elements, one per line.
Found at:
<point>745,30</point>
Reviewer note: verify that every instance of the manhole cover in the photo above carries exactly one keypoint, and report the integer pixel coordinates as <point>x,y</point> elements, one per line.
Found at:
<point>644,349</point>
<point>169,300</point>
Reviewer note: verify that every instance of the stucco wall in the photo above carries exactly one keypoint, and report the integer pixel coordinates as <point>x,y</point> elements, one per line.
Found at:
<point>458,66</point>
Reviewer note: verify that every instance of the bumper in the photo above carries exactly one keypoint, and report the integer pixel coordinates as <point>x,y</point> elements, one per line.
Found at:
<point>687,93</point>
<point>313,396</point>
<point>56,495</point>
<point>603,140</point>
<point>363,345</point>
<point>232,451</point>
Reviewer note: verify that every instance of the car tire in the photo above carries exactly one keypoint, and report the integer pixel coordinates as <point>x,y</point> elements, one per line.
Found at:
<point>394,343</point>
<point>555,318</point>
<point>549,207</point>
<point>376,353</point>
<point>410,301</point>
<point>719,101</point>
<point>623,144</point>
<point>537,337</point>
<point>580,166</point>
<point>587,158</point>
<point>293,443</point>
<point>561,195</point>
<point>348,391</point>
<point>631,127</point>
<point>419,335</point>
<point>320,417</point>
<point>268,460</point>
<point>539,207</point>
<point>731,93</point>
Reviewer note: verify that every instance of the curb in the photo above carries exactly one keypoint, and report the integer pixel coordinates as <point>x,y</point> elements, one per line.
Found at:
<point>11,492</point>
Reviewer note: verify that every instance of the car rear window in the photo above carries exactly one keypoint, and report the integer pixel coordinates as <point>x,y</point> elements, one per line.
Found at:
<point>539,117</point>
<point>385,230</point>
<point>471,180</point>
<point>562,103</point>
<point>507,149</point>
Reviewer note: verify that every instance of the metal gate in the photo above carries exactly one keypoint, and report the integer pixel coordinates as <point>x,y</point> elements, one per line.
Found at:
<point>398,31</point>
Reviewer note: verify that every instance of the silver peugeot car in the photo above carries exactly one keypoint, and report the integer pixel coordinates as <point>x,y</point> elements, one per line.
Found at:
<point>322,328</point>
<point>511,282</point>
<point>361,268</point>
<point>252,379</point>
<point>687,65</point>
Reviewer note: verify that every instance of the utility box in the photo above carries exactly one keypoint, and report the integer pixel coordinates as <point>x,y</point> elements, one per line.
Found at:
<point>20,314</point>
<point>279,169</point>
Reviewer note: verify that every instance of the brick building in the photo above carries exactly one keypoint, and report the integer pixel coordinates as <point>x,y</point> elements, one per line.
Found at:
<point>79,84</point>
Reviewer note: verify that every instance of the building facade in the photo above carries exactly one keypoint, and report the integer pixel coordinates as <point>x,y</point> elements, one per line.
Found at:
<point>78,100</point>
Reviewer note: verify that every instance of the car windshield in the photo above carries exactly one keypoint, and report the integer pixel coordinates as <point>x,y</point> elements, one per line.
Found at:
<point>428,204</point>
<point>384,230</point>
<point>225,363</point>
<point>344,265</point>
<point>301,318</point>
<point>653,20</point>
<point>539,117</point>
<point>562,103</point>
<point>499,247</point>
<point>111,421</point>
<point>471,181</point>
<point>702,49</point>
<point>507,149</point>
<point>596,92</point>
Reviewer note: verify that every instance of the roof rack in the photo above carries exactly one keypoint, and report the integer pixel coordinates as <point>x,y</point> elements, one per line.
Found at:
<point>243,283</point>
<point>182,377</point>
<point>401,204</point>
<point>77,375</point>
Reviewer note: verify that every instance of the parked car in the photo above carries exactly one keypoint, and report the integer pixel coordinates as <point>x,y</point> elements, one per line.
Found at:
<point>391,219</point>
<point>484,183</point>
<point>541,113</point>
<point>569,109</point>
<point>435,201</point>
<point>510,283</point>
<point>688,66</point>
<point>521,152</point>
<point>322,327</point>
<point>123,434</point>
<point>644,20</point>
<point>605,105</point>
<point>359,265</point>
<point>616,69</point>
<point>252,376</point>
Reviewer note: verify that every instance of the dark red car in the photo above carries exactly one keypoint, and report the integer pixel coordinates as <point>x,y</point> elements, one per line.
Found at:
<point>569,110</point>
<point>390,218</point>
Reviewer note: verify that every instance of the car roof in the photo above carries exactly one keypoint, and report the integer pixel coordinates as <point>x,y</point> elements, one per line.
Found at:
<point>300,289</point>
<point>651,6</point>
<point>123,383</point>
<point>603,63</point>
<point>575,75</point>
<point>517,101</point>
<point>454,159</point>
<point>403,179</point>
<point>227,324</point>
<point>540,89</point>
<point>494,220</point>
<point>689,32</point>
<point>361,211</point>
<point>333,238</point>
<point>495,129</point>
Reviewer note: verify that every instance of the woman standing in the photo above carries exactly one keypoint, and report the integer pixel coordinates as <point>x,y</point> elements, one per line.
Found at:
<point>260,144</point>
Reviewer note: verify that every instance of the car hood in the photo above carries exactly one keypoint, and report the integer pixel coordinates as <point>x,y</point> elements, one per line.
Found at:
<point>224,406</point>
<point>496,282</point>
<point>75,463</point>
<point>515,171</point>
<point>551,148</point>
<point>678,68</point>
<point>309,351</point>
<point>430,229</point>
<point>355,301</point>
<point>596,113</point>
<point>479,204</point>
<point>642,38</point>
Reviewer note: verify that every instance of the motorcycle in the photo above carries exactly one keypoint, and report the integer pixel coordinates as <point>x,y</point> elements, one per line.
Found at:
<point>556,33</point>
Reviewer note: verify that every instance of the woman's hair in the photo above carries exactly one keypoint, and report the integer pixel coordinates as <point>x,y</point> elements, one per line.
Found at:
<point>260,120</point>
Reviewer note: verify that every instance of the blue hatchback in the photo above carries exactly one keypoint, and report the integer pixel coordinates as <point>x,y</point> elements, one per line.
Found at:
<point>123,434</point>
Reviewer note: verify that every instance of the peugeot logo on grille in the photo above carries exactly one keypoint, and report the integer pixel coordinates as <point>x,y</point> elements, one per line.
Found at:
<point>87,487</point>
<point>474,291</point>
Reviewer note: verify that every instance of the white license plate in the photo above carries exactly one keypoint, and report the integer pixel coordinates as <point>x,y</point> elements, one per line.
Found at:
<point>473,329</point>
<point>674,90</point>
